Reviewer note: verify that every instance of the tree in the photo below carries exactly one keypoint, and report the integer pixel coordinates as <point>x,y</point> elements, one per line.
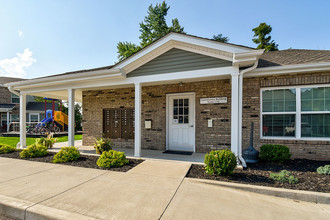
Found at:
<point>152,28</point>
<point>77,115</point>
<point>221,38</point>
<point>263,39</point>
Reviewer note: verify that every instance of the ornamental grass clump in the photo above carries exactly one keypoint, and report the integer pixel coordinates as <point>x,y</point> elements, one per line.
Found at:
<point>48,142</point>
<point>5,149</point>
<point>66,154</point>
<point>324,170</point>
<point>102,144</point>
<point>284,177</point>
<point>274,153</point>
<point>34,150</point>
<point>220,162</point>
<point>112,158</point>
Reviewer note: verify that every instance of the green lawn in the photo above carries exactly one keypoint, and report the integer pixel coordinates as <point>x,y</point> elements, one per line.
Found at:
<point>12,141</point>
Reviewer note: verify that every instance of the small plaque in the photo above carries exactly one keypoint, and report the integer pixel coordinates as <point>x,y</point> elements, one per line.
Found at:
<point>215,100</point>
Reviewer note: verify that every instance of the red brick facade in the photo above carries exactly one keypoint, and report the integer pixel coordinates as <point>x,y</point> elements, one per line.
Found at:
<point>217,137</point>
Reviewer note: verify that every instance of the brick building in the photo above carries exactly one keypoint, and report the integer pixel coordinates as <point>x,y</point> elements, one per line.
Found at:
<point>187,93</point>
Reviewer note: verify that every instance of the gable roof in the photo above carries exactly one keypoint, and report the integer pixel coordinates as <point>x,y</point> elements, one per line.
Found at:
<point>292,57</point>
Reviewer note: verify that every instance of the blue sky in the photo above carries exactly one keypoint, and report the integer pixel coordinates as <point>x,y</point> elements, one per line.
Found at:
<point>44,37</point>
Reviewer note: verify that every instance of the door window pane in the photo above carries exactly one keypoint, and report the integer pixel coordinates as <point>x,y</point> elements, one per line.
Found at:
<point>315,125</point>
<point>279,125</point>
<point>181,111</point>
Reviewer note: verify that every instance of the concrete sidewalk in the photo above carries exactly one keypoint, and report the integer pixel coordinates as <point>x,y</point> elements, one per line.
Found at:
<point>152,190</point>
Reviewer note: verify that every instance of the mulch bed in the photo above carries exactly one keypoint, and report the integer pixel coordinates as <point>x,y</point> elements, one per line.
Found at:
<point>258,174</point>
<point>86,161</point>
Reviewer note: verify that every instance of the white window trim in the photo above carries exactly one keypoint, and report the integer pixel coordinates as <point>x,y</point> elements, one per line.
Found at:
<point>30,114</point>
<point>298,113</point>
<point>15,98</point>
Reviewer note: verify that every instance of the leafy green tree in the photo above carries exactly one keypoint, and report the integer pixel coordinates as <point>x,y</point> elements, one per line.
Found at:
<point>152,28</point>
<point>77,115</point>
<point>263,39</point>
<point>221,38</point>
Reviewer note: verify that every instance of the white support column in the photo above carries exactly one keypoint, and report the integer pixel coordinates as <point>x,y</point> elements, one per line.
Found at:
<point>234,113</point>
<point>22,120</point>
<point>71,100</point>
<point>137,135</point>
<point>8,121</point>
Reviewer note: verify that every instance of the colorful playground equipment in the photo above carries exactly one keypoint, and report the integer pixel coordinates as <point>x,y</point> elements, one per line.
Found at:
<point>54,121</point>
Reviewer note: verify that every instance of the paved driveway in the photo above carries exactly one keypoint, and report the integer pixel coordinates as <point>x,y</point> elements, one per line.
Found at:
<point>152,190</point>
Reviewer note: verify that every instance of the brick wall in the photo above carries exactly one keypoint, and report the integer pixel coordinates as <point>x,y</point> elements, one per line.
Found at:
<point>154,107</point>
<point>251,112</point>
<point>217,137</point>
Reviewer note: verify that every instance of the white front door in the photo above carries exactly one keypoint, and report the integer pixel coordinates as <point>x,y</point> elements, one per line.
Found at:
<point>181,121</point>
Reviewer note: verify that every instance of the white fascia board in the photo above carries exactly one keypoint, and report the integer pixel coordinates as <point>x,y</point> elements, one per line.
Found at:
<point>79,79</point>
<point>246,58</point>
<point>127,82</point>
<point>299,68</point>
<point>185,39</point>
<point>62,78</point>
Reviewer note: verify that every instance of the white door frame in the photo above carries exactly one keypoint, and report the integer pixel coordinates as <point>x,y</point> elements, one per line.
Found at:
<point>167,115</point>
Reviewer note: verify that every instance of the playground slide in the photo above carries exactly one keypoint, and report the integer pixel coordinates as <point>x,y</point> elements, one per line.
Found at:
<point>59,117</point>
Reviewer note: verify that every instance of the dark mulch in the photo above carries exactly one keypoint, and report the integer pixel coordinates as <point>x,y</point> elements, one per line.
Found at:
<point>258,174</point>
<point>84,161</point>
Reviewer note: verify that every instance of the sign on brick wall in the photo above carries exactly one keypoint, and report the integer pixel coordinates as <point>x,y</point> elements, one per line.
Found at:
<point>215,100</point>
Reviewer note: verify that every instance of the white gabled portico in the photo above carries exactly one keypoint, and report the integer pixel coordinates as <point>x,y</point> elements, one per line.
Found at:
<point>70,86</point>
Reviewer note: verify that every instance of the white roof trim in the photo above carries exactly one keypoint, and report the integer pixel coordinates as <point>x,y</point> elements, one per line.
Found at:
<point>289,69</point>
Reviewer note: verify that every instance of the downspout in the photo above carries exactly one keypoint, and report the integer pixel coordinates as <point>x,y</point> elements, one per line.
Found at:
<point>240,110</point>
<point>10,88</point>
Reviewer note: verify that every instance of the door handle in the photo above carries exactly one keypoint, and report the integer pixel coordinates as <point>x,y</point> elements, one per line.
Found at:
<point>191,126</point>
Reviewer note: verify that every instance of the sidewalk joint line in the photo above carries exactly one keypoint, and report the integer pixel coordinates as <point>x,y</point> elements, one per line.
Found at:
<point>62,192</point>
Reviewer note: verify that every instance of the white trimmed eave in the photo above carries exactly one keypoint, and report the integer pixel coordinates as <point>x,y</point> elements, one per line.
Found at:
<point>289,69</point>
<point>192,44</point>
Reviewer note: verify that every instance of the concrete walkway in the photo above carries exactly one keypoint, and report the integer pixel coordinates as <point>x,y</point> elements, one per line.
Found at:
<point>146,154</point>
<point>152,190</point>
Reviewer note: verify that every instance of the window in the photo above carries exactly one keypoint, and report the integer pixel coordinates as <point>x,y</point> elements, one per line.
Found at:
<point>3,119</point>
<point>300,112</point>
<point>14,99</point>
<point>181,111</point>
<point>118,123</point>
<point>14,118</point>
<point>34,117</point>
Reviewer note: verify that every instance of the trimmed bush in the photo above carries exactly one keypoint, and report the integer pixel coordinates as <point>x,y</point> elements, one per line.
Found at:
<point>66,154</point>
<point>102,144</point>
<point>284,177</point>
<point>220,162</point>
<point>5,149</point>
<point>34,150</point>
<point>112,158</point>
<point>324,170</point>
<point>48,142</point>
<point>274,153</point>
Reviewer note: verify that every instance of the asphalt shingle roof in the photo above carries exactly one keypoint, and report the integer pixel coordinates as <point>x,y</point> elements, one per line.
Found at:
<point>39,106</point>
<point>4,80</point>
<point>293,56</point>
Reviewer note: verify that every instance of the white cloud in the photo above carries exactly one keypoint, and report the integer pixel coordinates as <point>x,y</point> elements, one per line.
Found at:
<point>20,33</point>
<point>15,67</point>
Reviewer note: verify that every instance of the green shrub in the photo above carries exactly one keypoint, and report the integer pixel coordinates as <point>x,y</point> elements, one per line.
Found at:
<point>34,150</point>
<point>112,158</point>
<point>220,162</point>
<point>5,149</point>
<point>48,142</point>
<point>274,153</point>
<point>284,177</point>
<point>102,144</point>
<point>66,154</point>
<point>324,170</point>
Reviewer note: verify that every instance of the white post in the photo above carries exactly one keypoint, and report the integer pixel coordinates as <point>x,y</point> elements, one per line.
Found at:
<point>71,100</point>
<point>234,114</point>
<point>8,121</point>
<point>137,135</point>
<point>22,121</point>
